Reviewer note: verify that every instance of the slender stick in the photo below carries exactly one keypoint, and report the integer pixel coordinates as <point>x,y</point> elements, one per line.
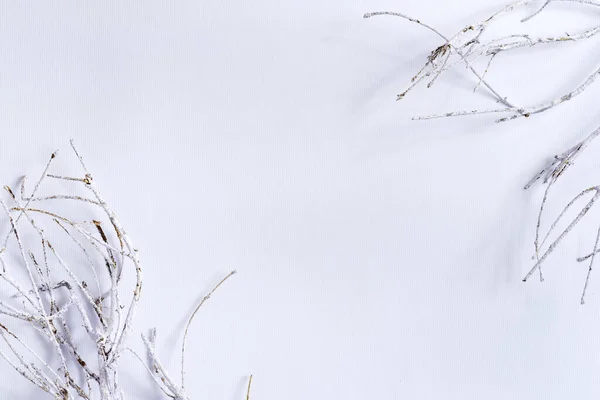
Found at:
<point>187,325</point>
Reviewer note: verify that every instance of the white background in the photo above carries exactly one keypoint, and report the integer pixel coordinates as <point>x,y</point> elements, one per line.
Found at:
<point>378,257</point>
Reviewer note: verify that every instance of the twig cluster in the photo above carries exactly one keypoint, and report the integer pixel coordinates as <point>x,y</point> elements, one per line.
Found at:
<point>467,47</point>
<point>54,297</point>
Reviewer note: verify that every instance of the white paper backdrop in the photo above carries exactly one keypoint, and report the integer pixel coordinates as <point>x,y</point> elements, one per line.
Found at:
<point>378,257</point>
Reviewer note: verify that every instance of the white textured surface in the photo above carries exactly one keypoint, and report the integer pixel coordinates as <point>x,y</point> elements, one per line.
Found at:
<point>379,258</point>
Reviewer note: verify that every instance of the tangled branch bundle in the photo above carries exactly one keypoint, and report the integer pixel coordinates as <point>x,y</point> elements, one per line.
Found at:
<point>470,45</point>
<point>71,294</point>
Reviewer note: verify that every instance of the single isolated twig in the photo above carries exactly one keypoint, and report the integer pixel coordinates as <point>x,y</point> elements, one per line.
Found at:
<point>470,45</point>
<point>55,300</point>
<point>248,390</point>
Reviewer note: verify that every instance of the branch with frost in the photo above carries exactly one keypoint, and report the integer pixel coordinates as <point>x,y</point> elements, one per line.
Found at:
<point>46,261</point>
<point>470,44</point>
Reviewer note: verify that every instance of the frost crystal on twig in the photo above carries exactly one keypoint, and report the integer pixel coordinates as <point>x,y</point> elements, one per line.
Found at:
<point>67,278</point>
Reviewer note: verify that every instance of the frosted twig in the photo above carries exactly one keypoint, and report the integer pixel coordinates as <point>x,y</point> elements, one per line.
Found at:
<point>537,12</point>
<point>587,278</point>
<point>552,246</point>
<point>187,325</point>
<point>158,382</point>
